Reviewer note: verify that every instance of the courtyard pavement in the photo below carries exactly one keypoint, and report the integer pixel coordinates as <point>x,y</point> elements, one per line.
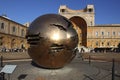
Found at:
<point>76,70</point>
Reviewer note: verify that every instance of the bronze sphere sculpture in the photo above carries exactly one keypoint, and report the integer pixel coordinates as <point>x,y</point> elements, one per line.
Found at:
<point>52,40</point>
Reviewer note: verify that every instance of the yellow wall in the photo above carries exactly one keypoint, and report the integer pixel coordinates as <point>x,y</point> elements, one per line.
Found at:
<point>10,39</point>
<point>103,36</point>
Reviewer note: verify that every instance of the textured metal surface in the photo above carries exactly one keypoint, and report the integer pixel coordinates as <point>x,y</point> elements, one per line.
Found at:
<point>52,40</point>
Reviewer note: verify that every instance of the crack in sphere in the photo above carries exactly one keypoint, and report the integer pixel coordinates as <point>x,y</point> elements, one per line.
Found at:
<point>52,40</point>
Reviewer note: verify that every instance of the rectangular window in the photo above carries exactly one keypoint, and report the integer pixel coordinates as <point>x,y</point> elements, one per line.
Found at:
<point>96,34</point>
<point>108,33</point>
<point>22,32</point>
<point>91,23</point>
<point>114,33</point>
<point>102,33</point>
<point>118,33</point>
<point>2,25</point>
<point>13,29</point>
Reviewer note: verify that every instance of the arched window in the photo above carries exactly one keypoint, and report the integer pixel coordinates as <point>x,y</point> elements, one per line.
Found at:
<point>102,43</point>
<point>62,10</point>
<point>97,43</point>
<point>108,43</point>
<point>1,41</point>
<point>90,10</point>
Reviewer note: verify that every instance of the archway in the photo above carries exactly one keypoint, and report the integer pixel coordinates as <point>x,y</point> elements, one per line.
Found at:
<point>13,44</point>
<point>81,28</point>
<point>22,44</point>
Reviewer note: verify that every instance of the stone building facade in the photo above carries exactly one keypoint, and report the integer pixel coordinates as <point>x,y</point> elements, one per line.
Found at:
<point>103,36</point>
<point>12,34</point>
<point>91,35</point>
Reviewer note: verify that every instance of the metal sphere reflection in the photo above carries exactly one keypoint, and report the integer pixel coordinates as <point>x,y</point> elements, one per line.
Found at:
<point>52,40</point>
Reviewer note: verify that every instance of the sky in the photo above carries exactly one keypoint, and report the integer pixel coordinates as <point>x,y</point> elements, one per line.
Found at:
<point>22,11</point>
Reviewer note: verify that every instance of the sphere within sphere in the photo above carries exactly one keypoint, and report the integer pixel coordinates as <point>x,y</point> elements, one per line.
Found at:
<point>52,40</point>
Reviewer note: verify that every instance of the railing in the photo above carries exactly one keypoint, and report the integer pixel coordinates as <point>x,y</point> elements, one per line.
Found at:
<point>108,64</point>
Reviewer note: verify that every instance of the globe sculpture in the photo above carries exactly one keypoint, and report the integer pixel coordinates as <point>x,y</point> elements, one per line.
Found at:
<point>52,40</point>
